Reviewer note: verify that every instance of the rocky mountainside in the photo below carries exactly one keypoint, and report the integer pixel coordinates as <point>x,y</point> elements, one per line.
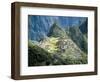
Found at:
<point>56,31</point>
<point>39,26</point>
<point>60,46</point>
<point>78,37</point>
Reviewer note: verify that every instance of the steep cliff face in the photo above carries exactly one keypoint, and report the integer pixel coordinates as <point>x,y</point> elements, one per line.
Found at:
<point>39,26</point>
<point>56,31</point>
<point>55,40</point>
<point>58,48</point>
<point>79,35</point>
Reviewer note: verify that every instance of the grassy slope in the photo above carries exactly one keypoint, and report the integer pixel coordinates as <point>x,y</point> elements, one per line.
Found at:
<point>52,54</point>
<point>37,56</point>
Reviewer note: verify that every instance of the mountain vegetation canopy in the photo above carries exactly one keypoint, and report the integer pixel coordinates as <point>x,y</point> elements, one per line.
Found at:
<point>57,40</point>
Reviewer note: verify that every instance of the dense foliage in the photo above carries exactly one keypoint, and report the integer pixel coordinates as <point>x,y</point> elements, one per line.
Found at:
<point>37,56</point>
<point>60,47</point>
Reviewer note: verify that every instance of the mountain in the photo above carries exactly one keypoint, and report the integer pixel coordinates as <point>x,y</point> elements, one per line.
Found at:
<point>56,31</point>
<point>63,49</point>
<point>55,51</point>
<point>57,40</point>
<point>37,56</point>
<point>78,37</point>
<point>39,26</point>
<point>84,27</point>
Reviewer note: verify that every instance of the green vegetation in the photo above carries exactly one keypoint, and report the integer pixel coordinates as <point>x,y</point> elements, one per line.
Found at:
<point>37,56</point>
<point>56,31</point>
<point>60,47</point>
<point>79,38</point>
<point>50,44</point>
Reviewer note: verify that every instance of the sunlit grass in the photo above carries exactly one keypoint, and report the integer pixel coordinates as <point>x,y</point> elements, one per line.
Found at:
<point>51,45</point>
